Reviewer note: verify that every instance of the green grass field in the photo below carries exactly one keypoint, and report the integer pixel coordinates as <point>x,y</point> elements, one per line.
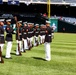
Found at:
<point>63,60</point>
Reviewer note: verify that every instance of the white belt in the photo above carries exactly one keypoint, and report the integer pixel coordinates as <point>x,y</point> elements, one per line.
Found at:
<point>2,35</point>
<point>36,32</point>
<point>24,33</point>
<point>42,31</point>
<point>30,32</point>
<point>49,35</point>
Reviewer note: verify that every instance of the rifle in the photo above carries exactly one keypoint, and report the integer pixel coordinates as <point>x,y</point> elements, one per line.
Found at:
<point>28,42</point>
<point>23,45</point>
<point>40,39</point>
<point>18,42</point>
<point>18,35</point>
<point>1,60</point>
<point>36,41</point>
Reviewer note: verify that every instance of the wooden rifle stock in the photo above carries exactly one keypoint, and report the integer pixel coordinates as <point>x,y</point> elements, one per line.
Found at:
<point>17,26</point>
<point>1,60</point>
<point>23,46</point>
<point>18,42</point>
<point>19,49</point>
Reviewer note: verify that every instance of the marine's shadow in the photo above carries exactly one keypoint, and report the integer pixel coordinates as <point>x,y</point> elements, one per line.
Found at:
<point>39,58</point>
<point>3,56</point>
<point>13,53</point>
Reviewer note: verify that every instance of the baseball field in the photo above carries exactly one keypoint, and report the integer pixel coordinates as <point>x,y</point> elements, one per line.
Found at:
<point>63,52</point>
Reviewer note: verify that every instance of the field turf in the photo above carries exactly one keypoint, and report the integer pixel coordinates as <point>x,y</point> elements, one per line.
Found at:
<point>63,51</point>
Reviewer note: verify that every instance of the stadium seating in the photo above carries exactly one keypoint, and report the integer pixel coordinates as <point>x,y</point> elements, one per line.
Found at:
<point>70,1</point>
<point>56,0</point>
<point>39,0</point>
<point>53,1</point>
<point>46,0</point>
<point>24,0</point>
<point>70,20</point>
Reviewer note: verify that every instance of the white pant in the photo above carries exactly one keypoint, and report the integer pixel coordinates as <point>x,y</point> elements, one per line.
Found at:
<point>1,46</point>
<point>20,42</point>
<point>47,51</point>
<point>31,40</point>
<point>35,38</point>
<point>8,49</point>
<point>40,39</point>
<point>25,45</point>
<point>43,38</point>
<point>52,35</point>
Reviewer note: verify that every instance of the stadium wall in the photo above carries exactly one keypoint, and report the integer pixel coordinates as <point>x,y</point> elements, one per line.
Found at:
<point>66,27</point>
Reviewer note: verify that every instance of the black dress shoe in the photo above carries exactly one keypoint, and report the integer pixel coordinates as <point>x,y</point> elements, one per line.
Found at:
<point>19,55</point>
<point>29,48</point>
<point>25,51</point>
<point>37,44</point>
<point>9,58</point>
<point>1,61</point>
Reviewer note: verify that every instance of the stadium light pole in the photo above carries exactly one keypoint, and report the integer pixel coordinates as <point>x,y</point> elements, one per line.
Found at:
<point>49,8</point>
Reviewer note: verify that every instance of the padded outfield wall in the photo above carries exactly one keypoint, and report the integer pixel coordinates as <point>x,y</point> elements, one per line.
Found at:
<point>62,26</point>
<point>66,27</point>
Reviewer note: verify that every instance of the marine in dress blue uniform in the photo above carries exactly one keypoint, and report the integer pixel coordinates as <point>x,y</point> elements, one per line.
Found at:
<point>29,36</point>
<point>24,37</point>
<point>9,39</point>
<point>48,41</point>
<point>19,36</point>
<point>2,40</point>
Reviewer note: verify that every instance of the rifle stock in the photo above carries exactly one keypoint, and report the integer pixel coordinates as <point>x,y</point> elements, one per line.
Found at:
<point>17,31</point>
<point>23,46</point>
<point>1,60</point>
<point>19,49</point>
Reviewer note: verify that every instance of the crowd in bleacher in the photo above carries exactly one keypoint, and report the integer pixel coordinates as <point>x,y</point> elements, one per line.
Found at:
<point>67,1</point>
<point>71,20</point>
